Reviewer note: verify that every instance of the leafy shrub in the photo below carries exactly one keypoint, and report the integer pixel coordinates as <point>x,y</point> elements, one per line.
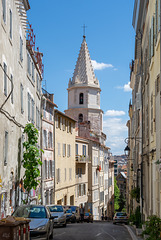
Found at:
<point>153,228</point>
<point>135,217</point>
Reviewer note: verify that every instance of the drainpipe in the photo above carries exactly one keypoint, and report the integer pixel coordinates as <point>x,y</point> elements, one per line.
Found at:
<point>41,152</point>
<point>54,153</point>
<point>160,110</point>
<point>142,133</point>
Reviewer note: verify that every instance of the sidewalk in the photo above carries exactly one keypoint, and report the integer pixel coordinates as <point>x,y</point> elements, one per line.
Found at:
<point>132,232</point>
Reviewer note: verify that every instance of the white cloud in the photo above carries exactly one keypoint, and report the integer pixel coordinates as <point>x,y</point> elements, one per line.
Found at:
<point>114,113</point>
<point>116,131</point>
<point>126,87</point>
<point>100,66</point>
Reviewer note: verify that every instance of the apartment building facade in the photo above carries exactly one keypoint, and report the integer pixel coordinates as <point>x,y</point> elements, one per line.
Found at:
<point>48,146</point>
<point>145,122</point>
<point>81,174</point>
<point>64,159</point>
<point>20,98</point>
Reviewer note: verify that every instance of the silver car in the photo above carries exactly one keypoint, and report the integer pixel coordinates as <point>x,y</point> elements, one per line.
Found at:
<point>41,225</point>
<point>57,210</point>
<point>120,217</point>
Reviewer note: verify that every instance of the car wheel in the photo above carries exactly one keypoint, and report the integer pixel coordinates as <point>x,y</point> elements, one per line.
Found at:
<point>48,237</point>
<point>52,234</point>
<point>114,223</point>
<point>64,225</point>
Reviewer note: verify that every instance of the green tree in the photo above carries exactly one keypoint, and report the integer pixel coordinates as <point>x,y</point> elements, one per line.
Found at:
<point>31,159</point>
<point>116,195</point>
<point>121,202</point>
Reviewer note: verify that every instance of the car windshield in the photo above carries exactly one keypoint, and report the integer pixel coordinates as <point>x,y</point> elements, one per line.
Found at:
<point>121,214</point>
<point>69,211</point>
<point>30,212</point>
<point>73,208</point>
<point>56,209</point>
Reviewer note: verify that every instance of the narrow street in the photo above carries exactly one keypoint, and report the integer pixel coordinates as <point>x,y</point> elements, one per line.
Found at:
<point>91,231</point>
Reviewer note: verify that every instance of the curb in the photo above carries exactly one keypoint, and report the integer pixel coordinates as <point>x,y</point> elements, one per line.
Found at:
<point>131,233</point>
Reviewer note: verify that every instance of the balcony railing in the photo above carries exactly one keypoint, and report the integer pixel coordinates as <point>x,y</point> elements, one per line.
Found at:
<point>81,158</point>
<point>81,178</point>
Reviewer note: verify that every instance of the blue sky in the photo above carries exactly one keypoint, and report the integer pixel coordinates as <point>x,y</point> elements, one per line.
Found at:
<point>110,39</point>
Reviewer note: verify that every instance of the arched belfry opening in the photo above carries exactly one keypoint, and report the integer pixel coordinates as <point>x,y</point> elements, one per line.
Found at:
<point>81,98</point>
<point>80,118</point>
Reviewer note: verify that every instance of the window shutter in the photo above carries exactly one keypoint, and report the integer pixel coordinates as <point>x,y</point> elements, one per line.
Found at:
<point>33,105</point>
<point>67,126</point>
<point>51,140</point>
<point>56,121</point>
<point>71,127</point>
<point>149,46</point>
<point>21,87</point>
<point>10,24</point>
<point>12,89</point>
<point>45,168</point>
<point>152,37</point>
<point>6,148</point>
<point>76,149</point>
<point>5,78</point>
<point>49,169</point>
<point>63,124</point>
<point>21,49</point>
<point>81,189</point>
<point>4,10</point>
<point>33,72</point>
<point>155,22</point>
<point>78,191</point>
<point>36,117</point>
<point>37,81</point>
<point>69,150</point>
<point>53,168</point>
<point>60,123</point>
<point>28,106</point>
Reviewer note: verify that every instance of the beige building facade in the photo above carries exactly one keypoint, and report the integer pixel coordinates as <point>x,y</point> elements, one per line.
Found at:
<point>145,122</point>
<point>81,174</point>
<point>64,159</point>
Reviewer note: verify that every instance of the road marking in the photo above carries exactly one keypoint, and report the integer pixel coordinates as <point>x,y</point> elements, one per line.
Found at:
<point>109,235</point>
<point>98,234</point>
<point>59,234</point>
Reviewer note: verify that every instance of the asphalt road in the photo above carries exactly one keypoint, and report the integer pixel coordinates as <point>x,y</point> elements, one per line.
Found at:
<point>92,231</point>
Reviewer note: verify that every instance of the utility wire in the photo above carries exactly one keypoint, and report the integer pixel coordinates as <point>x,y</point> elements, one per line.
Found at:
<point>7,114</point>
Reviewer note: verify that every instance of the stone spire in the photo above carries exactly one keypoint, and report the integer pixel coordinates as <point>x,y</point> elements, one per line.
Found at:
<point>84,73</point>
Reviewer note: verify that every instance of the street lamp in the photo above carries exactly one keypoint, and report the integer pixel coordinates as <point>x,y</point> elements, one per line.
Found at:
<point>127,150</point>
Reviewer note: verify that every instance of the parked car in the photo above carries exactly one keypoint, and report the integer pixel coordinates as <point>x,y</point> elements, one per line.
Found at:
<point>120,217</point>
<point>57,210</point>
<point>41,225</point>
<point>76,213</point>
<point>69,215</point>
<point>88,217</point>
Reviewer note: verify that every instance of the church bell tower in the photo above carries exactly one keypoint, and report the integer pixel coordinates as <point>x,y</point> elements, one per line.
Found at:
<point>84,93</point>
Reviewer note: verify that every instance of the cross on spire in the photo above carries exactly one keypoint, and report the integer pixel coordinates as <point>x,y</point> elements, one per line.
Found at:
<point>84,30</point>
